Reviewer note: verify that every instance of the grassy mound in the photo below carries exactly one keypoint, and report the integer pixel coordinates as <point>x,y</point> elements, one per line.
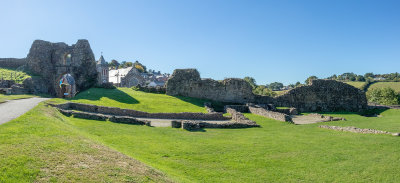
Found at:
<point>393,85</point>
<point>138,100</point>
<point>42,146</point>
<point>12,74</point>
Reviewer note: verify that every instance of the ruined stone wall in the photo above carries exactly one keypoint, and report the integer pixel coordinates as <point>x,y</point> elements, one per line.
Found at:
<point>324,95</point>
<point>12,62</point>
<point>187,82</point>
<point>133,78</point>
<point>270,114</point>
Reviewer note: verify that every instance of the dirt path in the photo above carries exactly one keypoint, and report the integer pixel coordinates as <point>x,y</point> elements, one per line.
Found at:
<point>15,108</point>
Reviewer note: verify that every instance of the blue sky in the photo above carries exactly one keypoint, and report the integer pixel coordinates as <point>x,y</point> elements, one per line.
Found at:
<point>281,40</point>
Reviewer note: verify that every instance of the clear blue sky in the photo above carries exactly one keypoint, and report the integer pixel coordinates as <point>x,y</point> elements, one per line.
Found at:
<point>271,41</point>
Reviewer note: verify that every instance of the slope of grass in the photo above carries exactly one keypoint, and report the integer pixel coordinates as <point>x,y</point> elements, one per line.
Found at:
<point>12,74</point>
<point>138,100</point>
<point>357,84</point>
<point>393,85</point>
<point>41,146</point>
<point>276,152</point>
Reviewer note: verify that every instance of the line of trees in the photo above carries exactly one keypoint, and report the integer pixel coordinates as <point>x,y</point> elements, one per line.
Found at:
<point>124,64</point>
<point>268,89</point>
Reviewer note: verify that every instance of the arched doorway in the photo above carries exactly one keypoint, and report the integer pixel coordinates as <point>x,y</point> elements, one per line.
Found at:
<point>67,87</point>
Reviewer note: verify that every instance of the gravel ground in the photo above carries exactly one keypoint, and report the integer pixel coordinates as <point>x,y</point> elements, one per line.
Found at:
<point>15,108</point>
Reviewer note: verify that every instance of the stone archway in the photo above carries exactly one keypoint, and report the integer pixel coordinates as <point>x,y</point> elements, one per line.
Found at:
<point>66,86</point>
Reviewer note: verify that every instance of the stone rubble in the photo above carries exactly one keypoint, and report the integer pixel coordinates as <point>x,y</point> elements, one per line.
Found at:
<point>358,130</point>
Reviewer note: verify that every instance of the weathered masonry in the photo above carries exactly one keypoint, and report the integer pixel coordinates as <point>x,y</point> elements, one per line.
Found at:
<point>320,95</point>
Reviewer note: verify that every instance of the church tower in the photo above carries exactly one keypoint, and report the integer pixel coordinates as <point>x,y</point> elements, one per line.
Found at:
<point>102,69</point>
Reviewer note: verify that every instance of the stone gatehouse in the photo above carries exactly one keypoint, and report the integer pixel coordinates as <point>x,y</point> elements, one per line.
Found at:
<point>59,69</point>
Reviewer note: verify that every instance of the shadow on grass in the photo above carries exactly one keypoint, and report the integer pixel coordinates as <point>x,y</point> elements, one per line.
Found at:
<point>218,106</point>
<point>96,94</point>
<point>198,130</point>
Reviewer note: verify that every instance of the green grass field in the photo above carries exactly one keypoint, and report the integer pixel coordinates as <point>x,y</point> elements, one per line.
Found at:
<point>138,100</point>
<point>393,85</point>
<point>12,74</point>
<point>44,145</point>
<point>357,84</point>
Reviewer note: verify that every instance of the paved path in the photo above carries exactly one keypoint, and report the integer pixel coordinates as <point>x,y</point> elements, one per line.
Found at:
<point>15,108</point>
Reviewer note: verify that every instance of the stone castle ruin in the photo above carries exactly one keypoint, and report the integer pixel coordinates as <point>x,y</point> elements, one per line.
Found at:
<point>321,95</point>
<point>187,82</point>
<point>58,69</point>
<point>324,95</point>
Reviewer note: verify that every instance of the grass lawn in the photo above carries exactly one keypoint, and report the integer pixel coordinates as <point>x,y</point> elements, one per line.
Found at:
<point>357,84</point>
<point>44,145</point>
<point>12,74</point>
<point>3,98</point>
<point>276,152</point>
<point>138,100</point>
<point>393,85</point>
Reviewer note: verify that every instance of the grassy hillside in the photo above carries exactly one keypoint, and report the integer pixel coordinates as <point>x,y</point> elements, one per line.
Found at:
<point>393,85</point>
<point>357,84</point>
<point>12,74</point>
<point>138,100</point>
<point>276,152</point>
<point>42,146</point>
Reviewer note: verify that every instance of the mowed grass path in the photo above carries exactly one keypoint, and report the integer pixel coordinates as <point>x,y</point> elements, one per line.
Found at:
<point>276,152</point>
<point>137,100</point>
<point>394,85</point>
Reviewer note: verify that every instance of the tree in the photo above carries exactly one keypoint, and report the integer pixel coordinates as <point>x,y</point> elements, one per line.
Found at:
<point>114,63</point>
<point>309,79</point>
<point>275,86</point>
<point>140,66</point>
<point>360,78</point>
<point>334,77</point>
<point>262,90</point>
<point>369,75</point>
<point>251,81</point>
<point>384,96</point>
<point>128,64</point>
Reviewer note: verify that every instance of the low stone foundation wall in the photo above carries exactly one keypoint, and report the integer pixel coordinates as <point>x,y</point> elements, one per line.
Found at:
<point>357,130</point>
<point>238,108</point>
<point>270,114</point>
<point>102,117</point>
<point>290,111</point>
<point>133,113</point>
<point>194,125</point>
<point>327,118</point>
